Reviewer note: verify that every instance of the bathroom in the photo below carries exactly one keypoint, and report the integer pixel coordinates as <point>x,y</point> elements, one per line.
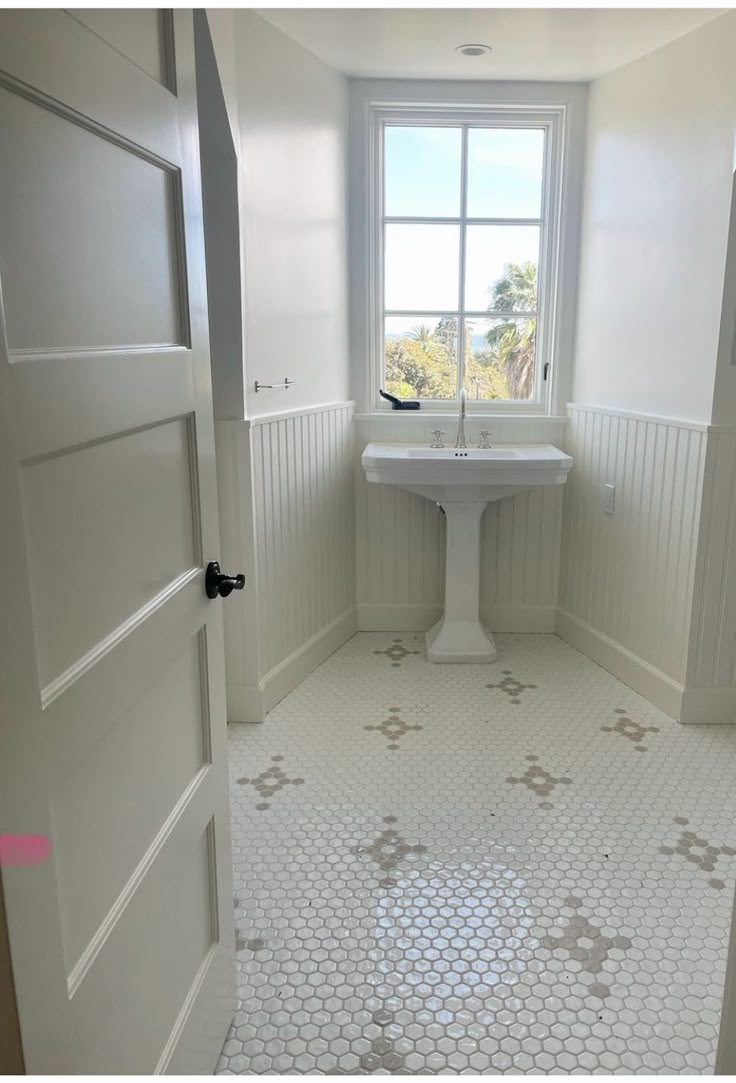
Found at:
<point>454,561</point>
<point>558,787</point>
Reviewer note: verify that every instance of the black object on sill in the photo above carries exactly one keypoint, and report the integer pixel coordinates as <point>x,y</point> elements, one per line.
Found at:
<point>398,404</point>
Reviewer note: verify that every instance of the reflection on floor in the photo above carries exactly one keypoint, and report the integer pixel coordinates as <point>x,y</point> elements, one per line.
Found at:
<point>519,867</point>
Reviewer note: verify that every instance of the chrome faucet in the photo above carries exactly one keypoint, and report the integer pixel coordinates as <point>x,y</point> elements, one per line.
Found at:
<point>460,442</point>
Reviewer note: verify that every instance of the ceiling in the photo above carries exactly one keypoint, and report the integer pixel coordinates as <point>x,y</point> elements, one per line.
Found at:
<point>419,43</point>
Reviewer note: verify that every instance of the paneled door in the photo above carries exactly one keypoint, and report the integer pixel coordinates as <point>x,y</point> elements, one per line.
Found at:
<point>112,733</point>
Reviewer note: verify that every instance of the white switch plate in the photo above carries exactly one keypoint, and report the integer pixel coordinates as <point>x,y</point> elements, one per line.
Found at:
<point>608,499</point>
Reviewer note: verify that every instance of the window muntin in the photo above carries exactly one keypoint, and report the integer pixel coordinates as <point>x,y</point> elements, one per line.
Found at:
<point>474,275</point>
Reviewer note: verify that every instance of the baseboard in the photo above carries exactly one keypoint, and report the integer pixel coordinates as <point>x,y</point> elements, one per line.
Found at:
<point>420,618</point>
<point>397,618</point>
<point>251,703</point>
<point>663,691</point>
<point>284,677</point>
<point>708,705</point>
<point>519,618</point>
<point>691,706</point>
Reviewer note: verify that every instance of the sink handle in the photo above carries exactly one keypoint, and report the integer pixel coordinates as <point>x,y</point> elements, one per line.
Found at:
<point>437,435</point>
<point>485,438</point>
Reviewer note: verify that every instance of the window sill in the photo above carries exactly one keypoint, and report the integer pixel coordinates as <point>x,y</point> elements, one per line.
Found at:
<point>427,416</point>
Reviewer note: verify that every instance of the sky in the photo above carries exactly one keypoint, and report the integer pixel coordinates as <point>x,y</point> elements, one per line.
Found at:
<point>422,178</point>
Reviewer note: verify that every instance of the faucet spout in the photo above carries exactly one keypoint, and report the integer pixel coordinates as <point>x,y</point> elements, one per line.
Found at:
<point>460,442</point>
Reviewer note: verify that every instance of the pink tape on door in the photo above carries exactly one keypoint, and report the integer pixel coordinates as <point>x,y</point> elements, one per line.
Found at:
<point>24,849</point>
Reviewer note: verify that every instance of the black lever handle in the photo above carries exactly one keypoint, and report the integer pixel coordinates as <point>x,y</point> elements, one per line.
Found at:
<point>216,583</point>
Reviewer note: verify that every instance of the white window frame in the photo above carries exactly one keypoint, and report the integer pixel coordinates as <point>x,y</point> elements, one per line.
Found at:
<point>559,110</point>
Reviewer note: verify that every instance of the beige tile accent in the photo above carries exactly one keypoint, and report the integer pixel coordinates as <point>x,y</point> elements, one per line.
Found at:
<point>629,728</point>
<point>393,728</point>
<point>511,686</point>
<point>397,652</point>
<point>699,851</point>
<point>269,782</point>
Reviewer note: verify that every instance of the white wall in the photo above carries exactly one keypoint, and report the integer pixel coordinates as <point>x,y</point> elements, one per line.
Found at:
<point>285,459</point>
<point>219,142</point>
<point>660,156</point>
<point>221,23</point>
<point>724,398</point>
<point>650,592</point>
<point>293,146</point>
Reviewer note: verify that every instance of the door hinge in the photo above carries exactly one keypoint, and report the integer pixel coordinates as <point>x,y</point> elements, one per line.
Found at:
<point>545,371</point>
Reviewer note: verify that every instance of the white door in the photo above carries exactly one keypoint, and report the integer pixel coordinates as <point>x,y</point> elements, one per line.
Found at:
<point>112,734</point>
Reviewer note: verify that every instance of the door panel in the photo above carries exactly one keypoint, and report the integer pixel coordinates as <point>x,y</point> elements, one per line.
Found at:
<point>142,34</point>
<point>78,193</point>
<point>102,525</point>
<point>92,395</point>
<point>111,656</point>
<point>70,70</point>
<point>112,776</point>
<point>136,990</point>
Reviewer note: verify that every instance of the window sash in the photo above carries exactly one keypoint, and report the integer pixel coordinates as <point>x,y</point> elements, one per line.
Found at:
<point>548,224</point>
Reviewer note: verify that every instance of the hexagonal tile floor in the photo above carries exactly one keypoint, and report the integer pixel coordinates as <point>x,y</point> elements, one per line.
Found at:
<point>522,867</point>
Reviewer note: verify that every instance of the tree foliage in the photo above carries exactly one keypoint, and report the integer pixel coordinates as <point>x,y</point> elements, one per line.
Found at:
<point>513,341</point>
<point>421,363</point>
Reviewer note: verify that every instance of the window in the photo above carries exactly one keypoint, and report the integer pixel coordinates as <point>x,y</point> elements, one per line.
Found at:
<point>464,231</point>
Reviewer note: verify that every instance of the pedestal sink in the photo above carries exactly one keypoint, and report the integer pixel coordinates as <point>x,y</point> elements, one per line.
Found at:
<point>463,482</point>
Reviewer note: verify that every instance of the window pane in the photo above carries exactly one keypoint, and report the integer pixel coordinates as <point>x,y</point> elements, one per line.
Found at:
<point>420,357</point>
<point>421,267</point>
<point>505,168</point>
<point>422,178</point>
<point>500,358</point>
<point>501,268</point>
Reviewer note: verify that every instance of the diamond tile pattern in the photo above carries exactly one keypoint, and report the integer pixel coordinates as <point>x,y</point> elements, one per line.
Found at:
<point>413,910</point>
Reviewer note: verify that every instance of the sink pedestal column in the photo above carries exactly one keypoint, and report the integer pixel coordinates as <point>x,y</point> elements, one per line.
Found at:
<point>459,636</point>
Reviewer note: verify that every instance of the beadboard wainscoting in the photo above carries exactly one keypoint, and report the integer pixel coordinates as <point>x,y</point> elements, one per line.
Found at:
<point>627,580</point>
<point>710,694</point>
<point>287,518</point>
<point>400,537</point>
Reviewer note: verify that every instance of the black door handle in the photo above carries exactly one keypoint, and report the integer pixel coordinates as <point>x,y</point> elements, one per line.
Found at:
<point>217,583</point>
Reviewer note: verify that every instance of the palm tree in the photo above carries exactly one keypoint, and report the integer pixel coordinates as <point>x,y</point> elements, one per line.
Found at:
<point>516,289</point>
<point>422,333</point>
<point>514,340</point>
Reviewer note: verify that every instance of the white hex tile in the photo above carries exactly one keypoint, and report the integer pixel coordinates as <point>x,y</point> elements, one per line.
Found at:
<point>433,875</point>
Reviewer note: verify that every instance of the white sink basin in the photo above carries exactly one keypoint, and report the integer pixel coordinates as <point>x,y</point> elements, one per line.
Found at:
<point>464,482</point>
<point>450,475</point>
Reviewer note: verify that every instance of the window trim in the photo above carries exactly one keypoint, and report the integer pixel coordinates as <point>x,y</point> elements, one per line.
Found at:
<point>462,117</point>
<point>558,107</point>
